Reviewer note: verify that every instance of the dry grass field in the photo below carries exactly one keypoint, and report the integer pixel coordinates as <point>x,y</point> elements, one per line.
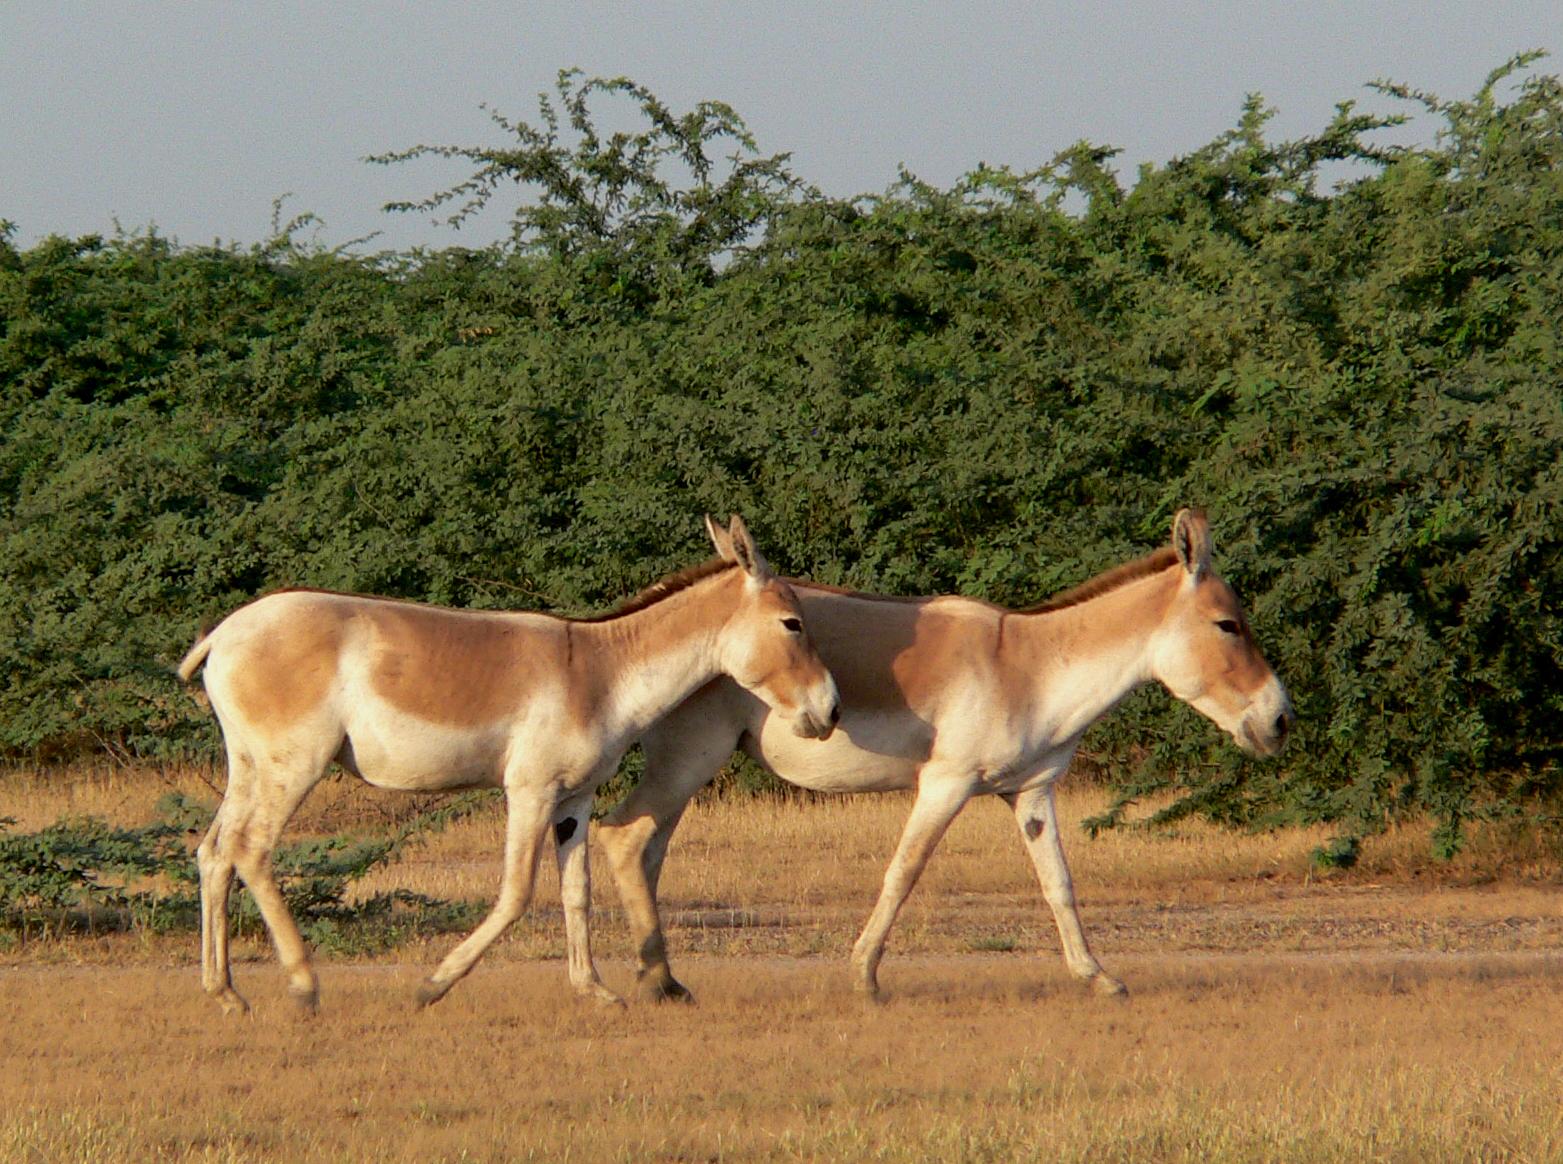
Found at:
<point>1403,1010</point>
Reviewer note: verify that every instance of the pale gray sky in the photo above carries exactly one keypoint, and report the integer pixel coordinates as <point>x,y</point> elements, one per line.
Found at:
<point>196,115</point>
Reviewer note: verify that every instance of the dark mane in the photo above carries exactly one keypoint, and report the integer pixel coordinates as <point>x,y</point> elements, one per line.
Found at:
<point>1153,563</point>
<point>1110,580</point>
<point>657,591</point>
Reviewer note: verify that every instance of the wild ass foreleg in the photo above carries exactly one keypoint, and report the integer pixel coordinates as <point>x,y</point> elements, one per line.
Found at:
<point>575,891</point>
<point>1038,821</point>
<point>939,799</point>
<point>526,828</point>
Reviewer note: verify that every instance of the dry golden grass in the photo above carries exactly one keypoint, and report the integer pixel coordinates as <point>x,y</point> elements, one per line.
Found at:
<point>983,1059</point>
<point>1403,1011</point>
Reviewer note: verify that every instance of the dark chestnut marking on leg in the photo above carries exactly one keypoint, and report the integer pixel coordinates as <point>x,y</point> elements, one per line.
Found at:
<point>1033,829</point>
<point>565,829</point>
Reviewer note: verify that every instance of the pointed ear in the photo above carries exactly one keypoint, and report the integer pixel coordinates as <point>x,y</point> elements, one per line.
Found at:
<point>1191,540</point>
<point>719,539</point>
<point>745,552</point>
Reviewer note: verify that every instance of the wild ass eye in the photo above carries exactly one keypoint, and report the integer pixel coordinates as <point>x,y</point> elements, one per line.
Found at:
<point>1228,626</point>
<point>793,625</point>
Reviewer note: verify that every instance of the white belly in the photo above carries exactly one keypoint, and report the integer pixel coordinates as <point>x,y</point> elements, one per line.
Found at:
<point>391,749</point>
<point>866,753</point>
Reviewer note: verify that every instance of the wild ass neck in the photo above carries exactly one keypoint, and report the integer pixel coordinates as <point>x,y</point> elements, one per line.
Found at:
<point>1079,661</point>
<point>638,666</point>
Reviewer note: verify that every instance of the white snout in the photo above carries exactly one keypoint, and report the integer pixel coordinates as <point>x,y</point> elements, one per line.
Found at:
<point>820,713</point>
<point>1267,722</point>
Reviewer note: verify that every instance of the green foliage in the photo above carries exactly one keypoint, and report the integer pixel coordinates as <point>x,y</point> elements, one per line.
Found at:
<point>1340,853</point>
<point>999,389</point>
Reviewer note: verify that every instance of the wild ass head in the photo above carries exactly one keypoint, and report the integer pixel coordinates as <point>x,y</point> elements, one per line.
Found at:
<point>765,645</point>
<point>1205,653</point>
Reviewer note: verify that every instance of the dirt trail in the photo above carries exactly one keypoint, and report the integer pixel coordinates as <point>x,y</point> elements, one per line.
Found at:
<point>1459,930</point>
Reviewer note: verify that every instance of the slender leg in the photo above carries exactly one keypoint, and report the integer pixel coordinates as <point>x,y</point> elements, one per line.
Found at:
<point>683,754</point>
<point>636,844</point>
<point>254,840</point>
<point>938,801</point>
<point>255,808</point>
<point>575,890</point>
<point>526,828</point>
<point>1038,821</point>
<point>254,867</point>
<point>216,866</point>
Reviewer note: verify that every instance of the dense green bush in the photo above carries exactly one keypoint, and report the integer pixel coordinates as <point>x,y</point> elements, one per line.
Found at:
<point>999,388</point>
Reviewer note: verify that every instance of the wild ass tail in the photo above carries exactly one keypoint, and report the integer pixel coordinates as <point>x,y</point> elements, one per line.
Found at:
<point>192,662</point>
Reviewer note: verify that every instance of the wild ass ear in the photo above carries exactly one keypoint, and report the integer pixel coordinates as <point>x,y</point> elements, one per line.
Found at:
<point>719,539</point>
<point>745,553</point>
<point>1191,540</point>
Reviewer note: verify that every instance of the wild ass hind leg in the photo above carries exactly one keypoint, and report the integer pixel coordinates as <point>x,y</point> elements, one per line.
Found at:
<point>939,800</point>
<point>682,757</point>
<point>575,892</point>
<point>636,844</point>
<point>247,834</point>
<point>254,809</point>
<point>216,868</point>
<point>527,814</point>
<point>1038,820</point>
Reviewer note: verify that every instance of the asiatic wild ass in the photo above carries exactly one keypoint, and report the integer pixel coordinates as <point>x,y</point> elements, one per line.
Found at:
<point>956,698</point>
<point>420,698</point>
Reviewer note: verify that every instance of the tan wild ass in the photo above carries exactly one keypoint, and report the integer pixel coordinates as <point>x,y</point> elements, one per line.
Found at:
<point>956,698</point>
<point>420,698</point>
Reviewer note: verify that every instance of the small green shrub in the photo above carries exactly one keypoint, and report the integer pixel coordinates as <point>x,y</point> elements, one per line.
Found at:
<point>83,875</point>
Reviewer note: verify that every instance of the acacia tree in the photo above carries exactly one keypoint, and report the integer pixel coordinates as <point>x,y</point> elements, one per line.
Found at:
<point>643,205</point>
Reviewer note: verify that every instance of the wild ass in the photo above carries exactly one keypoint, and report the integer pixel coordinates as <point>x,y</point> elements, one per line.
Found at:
<point>956,698</point>
<point>420,698</point>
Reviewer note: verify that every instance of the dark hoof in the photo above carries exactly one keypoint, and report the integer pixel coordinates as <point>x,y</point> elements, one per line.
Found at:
<point>1109,987</point>
<point>669,991</point>
<point>428,993</point>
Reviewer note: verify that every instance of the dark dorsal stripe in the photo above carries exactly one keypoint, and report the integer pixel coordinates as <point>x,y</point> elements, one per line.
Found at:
<point>664,588</point>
